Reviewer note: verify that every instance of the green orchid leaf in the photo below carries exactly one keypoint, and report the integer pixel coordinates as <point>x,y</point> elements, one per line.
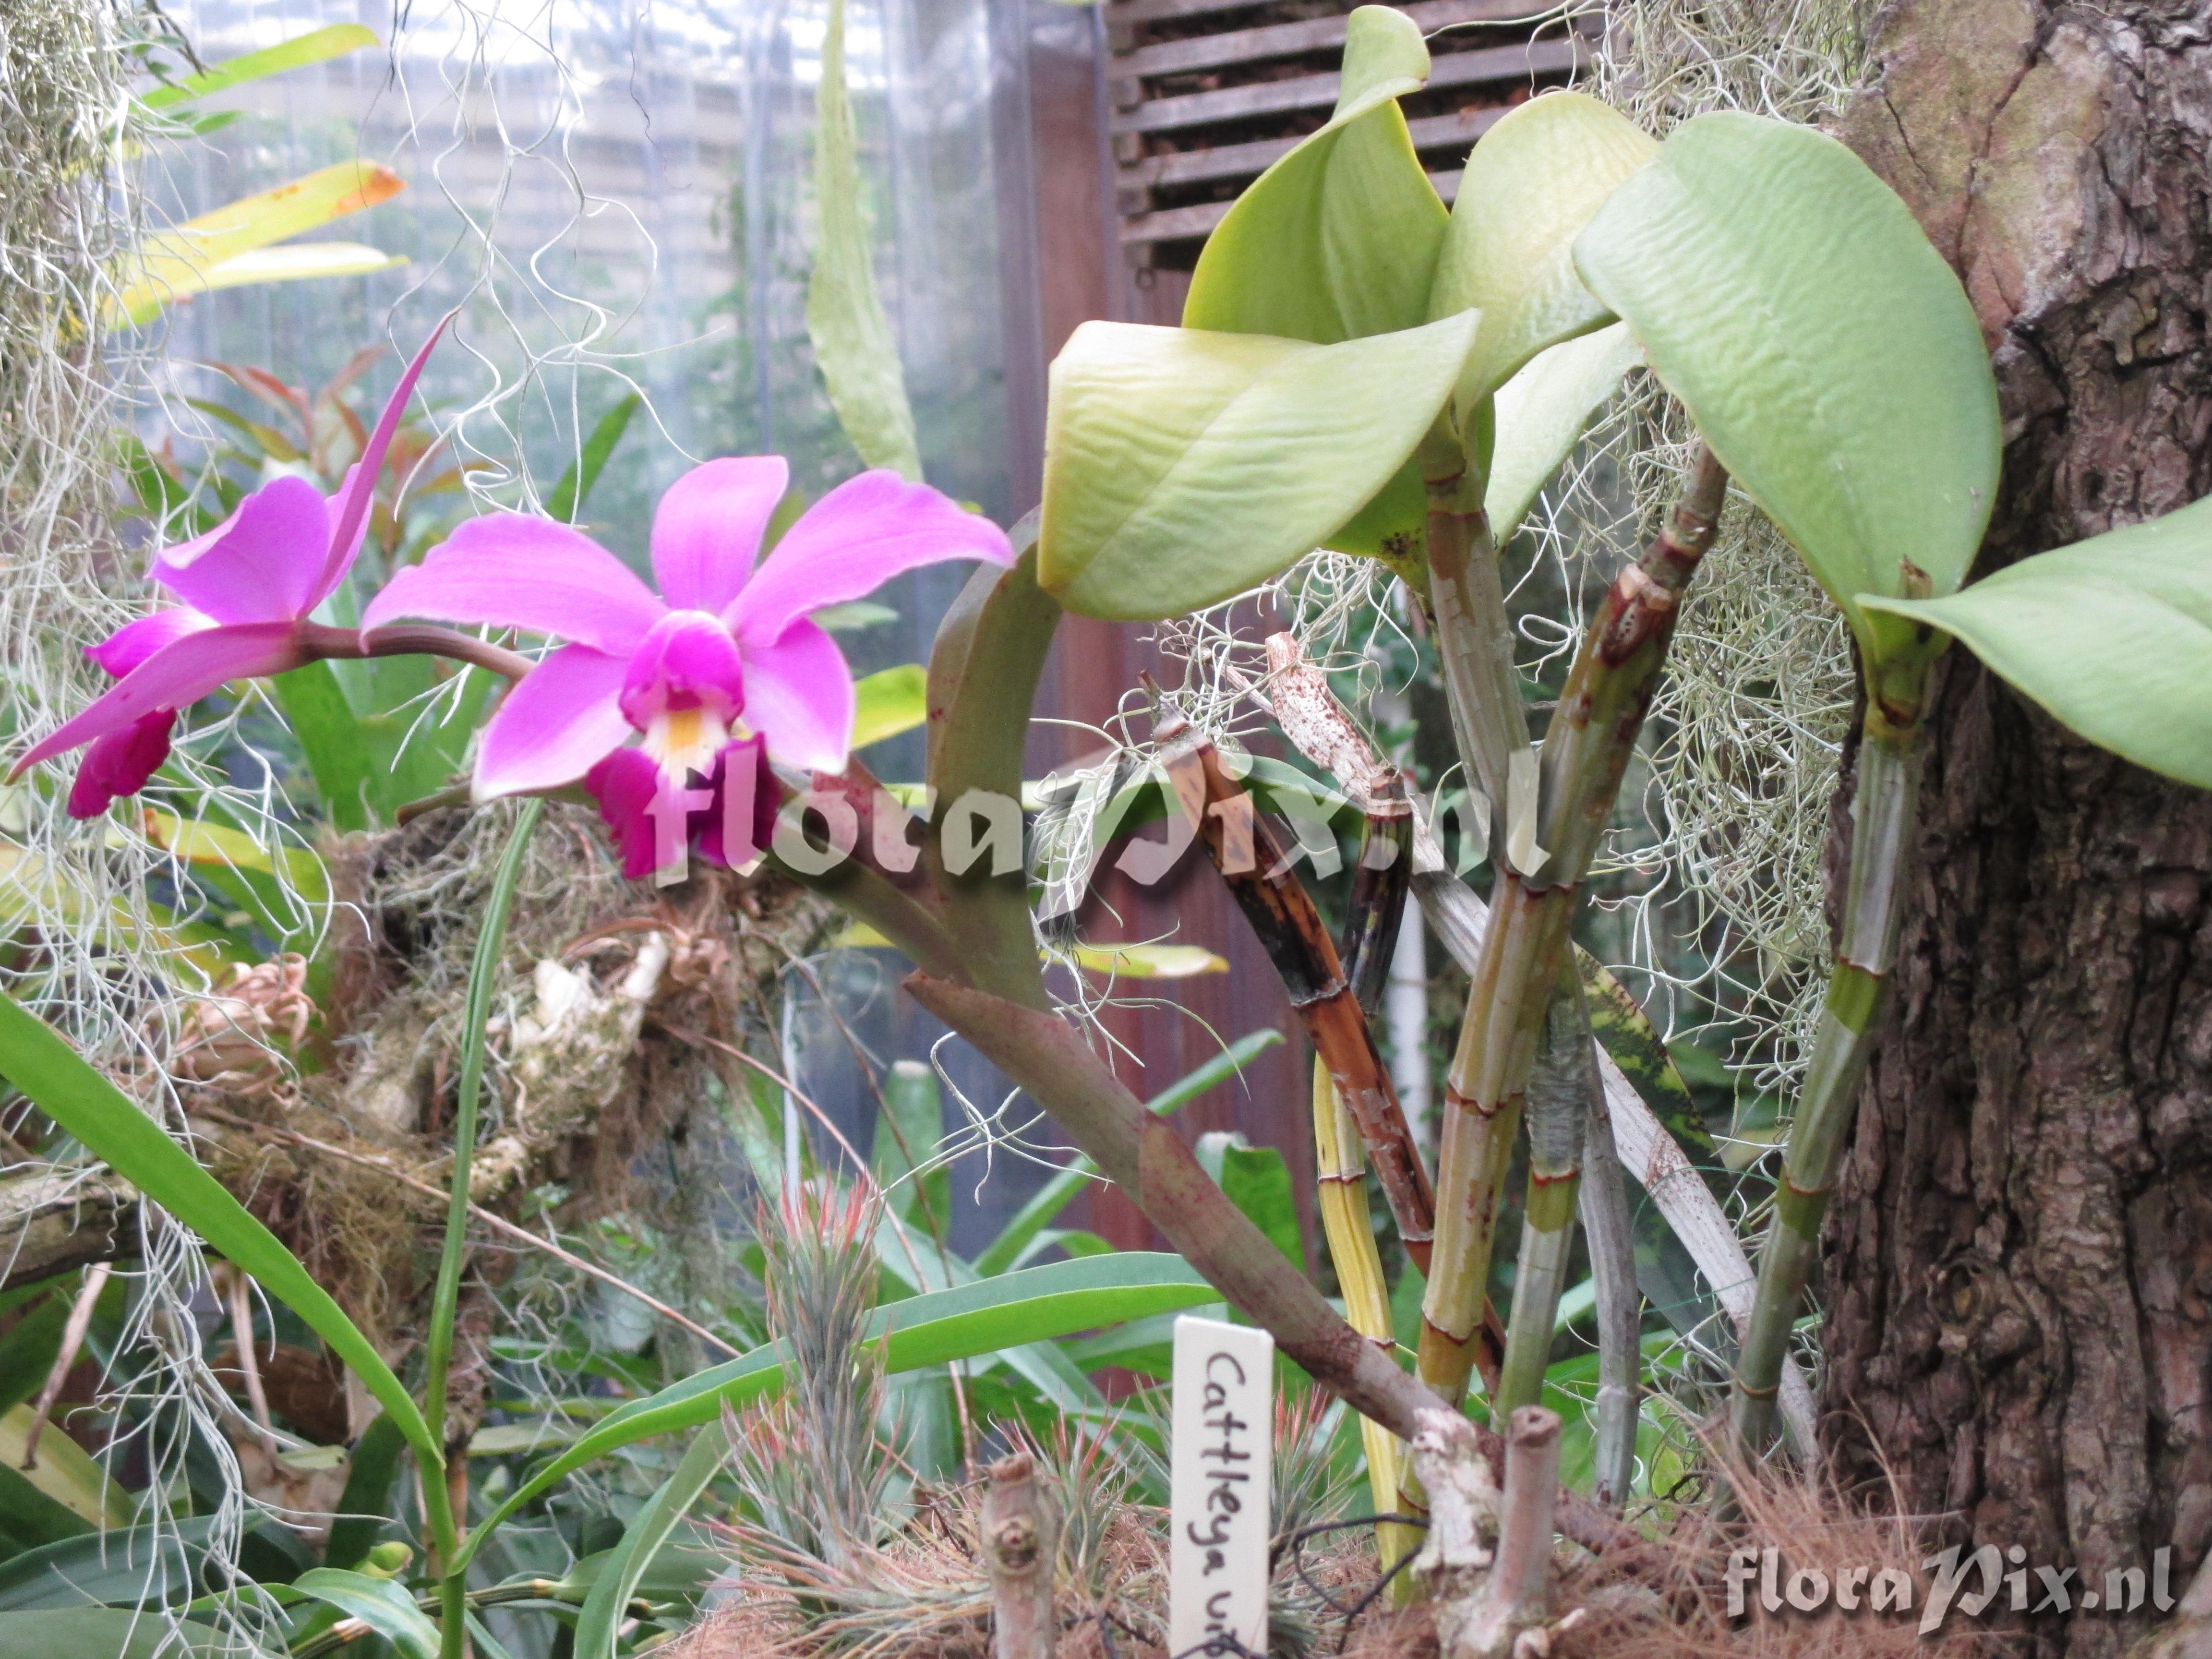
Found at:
<point>1530,186</point>
<point>1337,239</point>
<point>607,1606</point>
<point>37,1060</point>
<point>2112,635</point>
<point>1542,412</point>
<point>1257,1181</point>
<point>851,337</point>
<point>1031,1305</point>
<point>1827,352</point>
<point>568,496</point>
<point>316,47</point>
<point>1183,466</point>
<point>107,1633</point>
<point>379,1603</point>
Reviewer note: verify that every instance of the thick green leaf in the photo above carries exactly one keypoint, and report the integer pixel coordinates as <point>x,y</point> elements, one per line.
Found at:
<point>1529,188</point>
<point>1827,352</point>
<point>104,1633</point>
<point>1063,1189</point>
<point>149,1567</point>
<point>36,1060</point>
<point>1185,466</point>
<point>383,1606</point>
<point>890,702</point>
<point>316,47</point>
<point>1542,412</point>
<point>1258,1182</point>
<point>568,496</point>
<point>2112,635</point>
<point>1338,238</point>
<point>607,1605</point>
<point>1032,1305</point>
<point>851,337</point>
<point>63,1472</point>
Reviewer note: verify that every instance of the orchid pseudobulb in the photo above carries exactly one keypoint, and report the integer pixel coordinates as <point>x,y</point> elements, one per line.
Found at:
<point>720,672</point>
<point>249,586</point>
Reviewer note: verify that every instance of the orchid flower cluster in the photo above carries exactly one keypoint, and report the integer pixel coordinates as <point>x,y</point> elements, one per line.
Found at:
<point>667,708</point>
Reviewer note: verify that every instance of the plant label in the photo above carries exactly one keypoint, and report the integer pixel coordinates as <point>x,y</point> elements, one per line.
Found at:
<point>1222,1458</point>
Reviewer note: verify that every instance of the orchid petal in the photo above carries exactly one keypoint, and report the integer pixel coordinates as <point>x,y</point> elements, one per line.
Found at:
<point>562,717</point>
<point>689,660</point>
<point>530,574</point>
<point>260,564</point>
<point>708,529</point>
<point>120,762</point>
<point>179,673</point>
<point>349,507</point>
<point>798,695</point>
<point>625,784</point>
<point>852,541</point>
<point>131,644</point>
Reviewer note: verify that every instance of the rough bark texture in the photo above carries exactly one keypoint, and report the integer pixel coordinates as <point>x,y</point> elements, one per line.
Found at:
<point>2020,1258</point>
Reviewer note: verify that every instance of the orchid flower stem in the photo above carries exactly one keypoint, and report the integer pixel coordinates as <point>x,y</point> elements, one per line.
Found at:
<point>318,640</point>
<point>491,942</point>
<point>1586,752</point>
<point>1884,810</point>
<point>1558,1111</point>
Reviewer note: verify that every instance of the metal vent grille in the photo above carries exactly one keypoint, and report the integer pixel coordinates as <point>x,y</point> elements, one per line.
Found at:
<point>1207,94</point>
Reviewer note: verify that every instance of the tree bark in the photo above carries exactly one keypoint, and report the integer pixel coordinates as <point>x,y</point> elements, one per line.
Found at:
<point>2019,1261</point>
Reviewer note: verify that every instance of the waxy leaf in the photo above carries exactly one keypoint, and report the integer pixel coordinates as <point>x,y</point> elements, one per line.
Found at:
<point>1530,186</point>
<point>2112,635</point>
<point>1338,238</point>
<point>1542,413</point>
<point>1827,352</point>
<point>1183,466</point>
<point>316,47</point>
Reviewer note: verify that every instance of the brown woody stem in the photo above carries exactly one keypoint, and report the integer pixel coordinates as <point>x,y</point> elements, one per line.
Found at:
<point>1586,752</point>
<point>412,640</point>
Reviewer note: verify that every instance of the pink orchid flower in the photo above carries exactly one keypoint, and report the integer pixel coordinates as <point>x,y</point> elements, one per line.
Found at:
<point>248,587</point>
<point>718,673</point>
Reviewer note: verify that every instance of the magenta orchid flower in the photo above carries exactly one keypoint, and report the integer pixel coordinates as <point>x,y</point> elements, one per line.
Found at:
<point>249,586</point>
<point>720,672</point>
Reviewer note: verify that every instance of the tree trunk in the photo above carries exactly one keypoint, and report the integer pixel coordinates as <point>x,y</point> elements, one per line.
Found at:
<point>2018,1263</point>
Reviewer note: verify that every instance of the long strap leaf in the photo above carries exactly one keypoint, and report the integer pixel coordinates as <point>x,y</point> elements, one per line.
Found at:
<point>1032,1306</point>
<point>37,1060</point>
<point>602,1617</point>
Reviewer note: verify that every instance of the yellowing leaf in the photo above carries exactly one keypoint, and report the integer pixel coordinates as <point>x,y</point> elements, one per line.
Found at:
<point>216,844</point>
<point>1541,413</point>
<point>888,703</point>
<point>298,262</point>
<point>177,263</point>
<point>316,47</point>
<point>1183,466</point>
<point>64,1472</point>
<point>1150,961</point>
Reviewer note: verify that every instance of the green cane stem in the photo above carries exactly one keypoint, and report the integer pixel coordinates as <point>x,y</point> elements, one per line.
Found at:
<point>1558,1113</point>
<point>1884,810</point>
<point>1586,752</point>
